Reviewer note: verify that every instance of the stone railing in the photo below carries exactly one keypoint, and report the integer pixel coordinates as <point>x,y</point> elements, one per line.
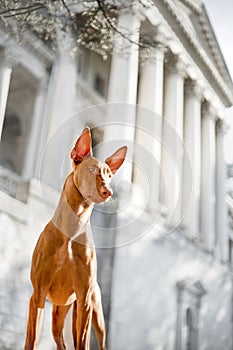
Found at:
<point>13,185</point>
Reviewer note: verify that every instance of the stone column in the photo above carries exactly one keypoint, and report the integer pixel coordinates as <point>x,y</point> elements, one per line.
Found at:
<point>123,82</point>
<point>149,124</point>
<point>34,137</point>
<point>124,65</point>
<point>192,143</point>
<point>172,149</point>
<point>119,129</point>
<point>5,76</point>
<point>59,109</point>
<point>221,208</point>
<point>150,93</point>
<point>208,169</point>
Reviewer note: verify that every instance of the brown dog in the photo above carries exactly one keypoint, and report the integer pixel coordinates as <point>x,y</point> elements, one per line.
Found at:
<point>64,260</point>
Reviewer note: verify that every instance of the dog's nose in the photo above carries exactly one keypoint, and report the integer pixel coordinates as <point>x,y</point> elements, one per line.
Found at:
<point>105,192</point>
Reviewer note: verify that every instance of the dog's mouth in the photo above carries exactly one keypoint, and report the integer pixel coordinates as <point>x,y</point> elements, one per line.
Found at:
<point>101,200</point>
<point>107,199</point>
<point>97,199</point>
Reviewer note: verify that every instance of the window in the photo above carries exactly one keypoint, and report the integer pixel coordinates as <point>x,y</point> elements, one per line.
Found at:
<point>231,251</point>
<point>189,295</point>
<point>99,85</point>
<point>10,141</point>
<point>83,63</point>
<point>191,330</point>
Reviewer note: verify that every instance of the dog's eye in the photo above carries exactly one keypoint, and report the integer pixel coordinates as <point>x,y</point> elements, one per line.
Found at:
<point>92,170</point>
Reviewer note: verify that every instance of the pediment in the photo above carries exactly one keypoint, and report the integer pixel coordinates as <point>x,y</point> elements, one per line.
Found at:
<point>195,18</point>
<point>192,286</point>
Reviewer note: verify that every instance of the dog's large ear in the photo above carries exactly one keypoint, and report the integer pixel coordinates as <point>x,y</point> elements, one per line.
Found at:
<point>116,159</point>
<point>82,147</point>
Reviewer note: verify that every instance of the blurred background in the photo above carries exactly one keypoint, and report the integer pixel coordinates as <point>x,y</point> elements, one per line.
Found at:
<point>154,75</point>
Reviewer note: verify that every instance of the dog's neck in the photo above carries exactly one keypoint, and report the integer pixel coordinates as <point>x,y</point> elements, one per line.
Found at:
<point>73,197</point>
<point>72,216</point>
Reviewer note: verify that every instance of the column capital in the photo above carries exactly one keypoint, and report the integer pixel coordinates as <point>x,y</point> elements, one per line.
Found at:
<point>208,111</point>
<point>154,46</point>
<point>175,64</point>
<point>193,88</point>
<point>221,127</point>
<point>151,54</point>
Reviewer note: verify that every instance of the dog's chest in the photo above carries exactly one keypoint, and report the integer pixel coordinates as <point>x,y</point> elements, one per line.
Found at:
<point>70,251</point>
<point>82,253</point>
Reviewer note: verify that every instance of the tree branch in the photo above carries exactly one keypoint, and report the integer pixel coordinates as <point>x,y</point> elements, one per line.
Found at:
<point>21,10</point>
<point>67,8</point>
<point>101,7</point>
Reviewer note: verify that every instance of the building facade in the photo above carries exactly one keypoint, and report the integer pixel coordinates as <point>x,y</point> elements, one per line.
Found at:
<point>164,244</point>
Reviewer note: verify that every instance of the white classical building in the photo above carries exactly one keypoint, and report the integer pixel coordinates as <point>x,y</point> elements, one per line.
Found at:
<point>165,258</point>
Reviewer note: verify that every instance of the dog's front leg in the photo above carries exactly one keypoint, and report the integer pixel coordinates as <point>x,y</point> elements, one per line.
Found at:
<point>58,318</point>
<point>98,318</point>
<point>83,322</point>
<point>35,319</point>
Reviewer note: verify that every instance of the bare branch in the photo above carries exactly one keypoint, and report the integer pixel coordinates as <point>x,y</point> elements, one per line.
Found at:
<point>67,8</point>
<point>23,13</point>
<point>125,36</point>
<point>93,28</point>
<point>21,10</point>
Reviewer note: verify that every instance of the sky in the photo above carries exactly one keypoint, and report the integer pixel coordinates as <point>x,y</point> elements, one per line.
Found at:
<point>220,13</point>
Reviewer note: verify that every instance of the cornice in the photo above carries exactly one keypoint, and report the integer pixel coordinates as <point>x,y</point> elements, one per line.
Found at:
<point>199,9</point>
<point>31,43</point>
<point>195,6</point>
<point>21,54</point>
<point>39,48</point>
<point>226,88</point>
<point>213,44</point>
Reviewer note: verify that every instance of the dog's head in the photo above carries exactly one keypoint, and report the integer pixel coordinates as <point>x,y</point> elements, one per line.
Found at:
<point>91,176</point>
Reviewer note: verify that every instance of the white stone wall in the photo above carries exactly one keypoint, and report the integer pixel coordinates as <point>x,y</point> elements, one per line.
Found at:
<point>20,226</point>
<point>144,305</point>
